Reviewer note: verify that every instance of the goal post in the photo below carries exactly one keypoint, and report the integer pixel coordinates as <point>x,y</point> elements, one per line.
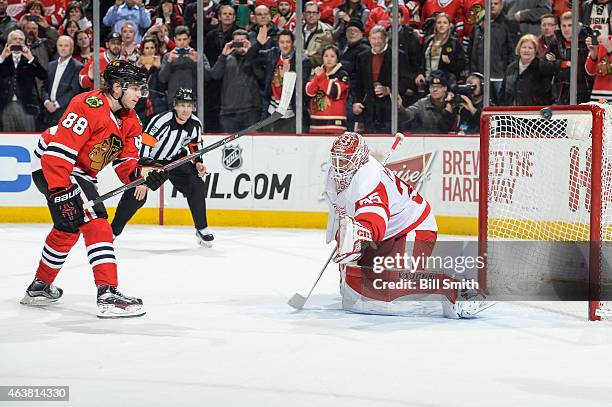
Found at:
<point>545,185</point>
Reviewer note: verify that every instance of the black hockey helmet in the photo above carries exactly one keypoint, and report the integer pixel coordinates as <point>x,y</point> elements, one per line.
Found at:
<point>125,73</point>
<point>184,95</point>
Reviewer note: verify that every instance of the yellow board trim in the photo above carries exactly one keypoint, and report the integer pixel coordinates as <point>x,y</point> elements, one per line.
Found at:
<point>454,225</point>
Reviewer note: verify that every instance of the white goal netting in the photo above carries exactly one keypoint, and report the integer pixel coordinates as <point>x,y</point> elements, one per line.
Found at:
<point>540,178</point>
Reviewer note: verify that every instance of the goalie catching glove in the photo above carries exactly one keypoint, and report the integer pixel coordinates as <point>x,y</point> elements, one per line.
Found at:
<point>152,172</point>
<point>350,239</point>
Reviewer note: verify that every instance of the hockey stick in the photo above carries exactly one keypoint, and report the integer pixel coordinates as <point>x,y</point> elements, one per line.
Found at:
<point>298,300</point>
<point>288,87</point>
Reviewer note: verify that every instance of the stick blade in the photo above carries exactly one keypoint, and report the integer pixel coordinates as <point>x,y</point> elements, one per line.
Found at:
<point>297,301</point>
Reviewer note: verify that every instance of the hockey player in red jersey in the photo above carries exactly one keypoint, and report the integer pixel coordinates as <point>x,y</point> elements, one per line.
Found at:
<point>98,128</point>
<point>368,203</point>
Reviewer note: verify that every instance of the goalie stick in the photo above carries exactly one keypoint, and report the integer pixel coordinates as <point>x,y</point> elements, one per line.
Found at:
<point>298,300</point>
<point>288,87</point>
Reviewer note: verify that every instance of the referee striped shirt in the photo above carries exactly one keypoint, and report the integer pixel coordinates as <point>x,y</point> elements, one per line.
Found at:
<point>164,139</point>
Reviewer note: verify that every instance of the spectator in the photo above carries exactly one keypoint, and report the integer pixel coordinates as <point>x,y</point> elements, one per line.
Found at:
<point>452,8</point>
<point>211,18</point>
<point>69,28</point>
<point>355,44</point>
<point>328,90</point>
<point>410,44</point>
<point>557,62</point>
<point>162,34</point>
<point>348,10</point>
<point>240,98</point>
<point>112,52</point>
<point>525,84</point>
<point>528,13</point>
<point>285,19</point>
<point>62,82</point>
<point>599,65</point>
<point>50,10</point>
<point>443,51</point>
<point>469,112</point>
<point>167,13</point>
<point>474,13</point>
<point>129,49</point>
<point>19,100</point>
<point>130,10</point>
<point>504,35</point>
<point>262,17</point>
<point>381,15</point>
<point>42,48</point>
<point>327,8</point>
<point>82,50</point>
<point>316,34</point>
<point>596,14</point>
<point>156,101</point>
<point>433,113</point>
<point>76,13</point>
<point>548,26</point>
<point>215,42</point>
<point>371,83</point>
<point>277,61</point>
<point>179,67</point>
<point>6,22</point>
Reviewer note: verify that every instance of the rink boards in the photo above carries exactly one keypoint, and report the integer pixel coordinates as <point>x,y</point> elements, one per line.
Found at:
<point>272,181</point>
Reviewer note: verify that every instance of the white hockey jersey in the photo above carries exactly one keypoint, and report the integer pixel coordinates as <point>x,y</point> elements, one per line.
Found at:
<point>379,200</point>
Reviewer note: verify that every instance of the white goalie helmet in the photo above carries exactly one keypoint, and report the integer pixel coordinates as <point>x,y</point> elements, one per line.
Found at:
<point>348,153</point>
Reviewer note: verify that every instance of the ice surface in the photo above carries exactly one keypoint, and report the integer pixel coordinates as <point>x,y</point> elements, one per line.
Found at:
<point>218,333</point>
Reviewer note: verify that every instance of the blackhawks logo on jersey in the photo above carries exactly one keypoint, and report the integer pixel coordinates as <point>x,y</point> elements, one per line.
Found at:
<point>94,101</point>
<point>105,152</point>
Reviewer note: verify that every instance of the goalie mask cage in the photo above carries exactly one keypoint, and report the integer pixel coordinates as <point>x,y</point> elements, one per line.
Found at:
<point>546,177</point>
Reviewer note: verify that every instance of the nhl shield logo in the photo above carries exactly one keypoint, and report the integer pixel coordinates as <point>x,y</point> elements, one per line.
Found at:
<point>232,157</point>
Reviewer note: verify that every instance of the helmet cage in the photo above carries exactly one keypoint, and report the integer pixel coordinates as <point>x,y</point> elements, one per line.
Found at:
<point>348,153</point>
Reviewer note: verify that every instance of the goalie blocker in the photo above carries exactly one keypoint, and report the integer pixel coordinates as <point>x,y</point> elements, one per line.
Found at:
<point>373,214</point>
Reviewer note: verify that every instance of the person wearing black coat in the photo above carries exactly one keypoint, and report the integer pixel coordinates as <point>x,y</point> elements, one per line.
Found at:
<point>371,92</point>
<point>525,84</point>
<point>442,51</point>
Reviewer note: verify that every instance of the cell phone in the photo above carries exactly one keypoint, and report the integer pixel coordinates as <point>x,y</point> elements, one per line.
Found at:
<point>32,18</point>
<point>159,21</point>
<point>146,59</point>
<point>182,52</point>
<point>237,44</point>
<point>16,47</point>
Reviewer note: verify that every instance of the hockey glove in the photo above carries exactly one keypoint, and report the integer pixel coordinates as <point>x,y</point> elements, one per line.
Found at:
<point>351,235</point>
<point>152,172</point>
<point>66,208</point>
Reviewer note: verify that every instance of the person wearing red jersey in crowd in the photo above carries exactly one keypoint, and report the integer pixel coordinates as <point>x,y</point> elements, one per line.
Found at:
<point>328,90</point>
<point>162,33</point>
<point>599,65</point>
<point>368,203</point>
<point>168,13</point>
<point>111,53</point>
<point>382,14</point>
<point>51,10</point>
<point>473,13</point>
<point>327,8</point>
<point>98,128</point>
<point>285,19</point>
<point>453,8</point>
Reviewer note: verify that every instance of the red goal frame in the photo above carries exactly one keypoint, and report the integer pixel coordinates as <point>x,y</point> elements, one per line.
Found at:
<point>597,114</point>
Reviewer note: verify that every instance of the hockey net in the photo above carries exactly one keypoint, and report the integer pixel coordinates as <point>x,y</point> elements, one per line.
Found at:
<point>546,225</point>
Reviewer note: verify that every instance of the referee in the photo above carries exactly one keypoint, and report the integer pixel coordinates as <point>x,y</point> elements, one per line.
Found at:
<point>168,137</point>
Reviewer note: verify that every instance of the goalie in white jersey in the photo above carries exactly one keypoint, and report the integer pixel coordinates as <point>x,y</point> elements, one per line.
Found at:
<point>369,203</point>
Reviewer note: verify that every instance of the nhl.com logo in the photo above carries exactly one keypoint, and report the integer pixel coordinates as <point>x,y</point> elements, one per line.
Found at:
<point>231,157</point>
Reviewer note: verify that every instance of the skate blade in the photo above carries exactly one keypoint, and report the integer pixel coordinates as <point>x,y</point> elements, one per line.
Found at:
<point>37,301</point>
<point>205,244</point>
<point>115,312</point>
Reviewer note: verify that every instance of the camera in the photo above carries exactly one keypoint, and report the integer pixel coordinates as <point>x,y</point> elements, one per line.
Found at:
<point>467,90</point>
<point>182,52</point>
<point>237,44</point>
<point>32,18</point>
<point>422,89</point>
<point>594,34</point>
<point>16,47</point>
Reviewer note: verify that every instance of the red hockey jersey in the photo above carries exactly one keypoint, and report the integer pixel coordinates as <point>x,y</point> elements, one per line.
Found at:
<point>87,138</point>
<point>328,103</point>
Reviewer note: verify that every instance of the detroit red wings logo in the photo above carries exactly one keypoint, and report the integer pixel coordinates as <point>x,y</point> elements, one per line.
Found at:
<point>414,170</point>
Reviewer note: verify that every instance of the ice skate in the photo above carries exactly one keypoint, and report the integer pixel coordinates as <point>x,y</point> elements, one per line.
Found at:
<point>113,304</point>
<point>465,308</point>
<point>41,293</point>
<point>205,238</point>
